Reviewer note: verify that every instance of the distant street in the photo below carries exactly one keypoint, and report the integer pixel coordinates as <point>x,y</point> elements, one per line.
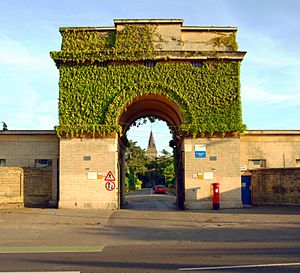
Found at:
<point>150,236</point>
<point>146,199</point>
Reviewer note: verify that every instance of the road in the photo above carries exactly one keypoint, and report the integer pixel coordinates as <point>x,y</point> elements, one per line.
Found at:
<point>150,236</point>
<point>146,199</point>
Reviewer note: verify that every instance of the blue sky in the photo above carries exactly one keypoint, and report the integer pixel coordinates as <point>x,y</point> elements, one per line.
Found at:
<point>268,30</point>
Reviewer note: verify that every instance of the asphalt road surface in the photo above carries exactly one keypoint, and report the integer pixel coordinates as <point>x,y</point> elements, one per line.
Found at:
<point>146,199</point>
<point>150,236</point>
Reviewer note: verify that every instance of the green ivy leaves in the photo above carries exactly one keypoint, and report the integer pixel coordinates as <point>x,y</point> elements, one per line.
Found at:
<point>92,97</point>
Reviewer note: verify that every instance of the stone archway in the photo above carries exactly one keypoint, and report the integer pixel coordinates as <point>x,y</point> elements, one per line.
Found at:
<point>151,105</point>
<point>187,76</point>
<point>163,108</point>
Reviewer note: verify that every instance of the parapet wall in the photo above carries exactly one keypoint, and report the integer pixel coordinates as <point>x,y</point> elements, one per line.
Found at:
<point>11,186</point>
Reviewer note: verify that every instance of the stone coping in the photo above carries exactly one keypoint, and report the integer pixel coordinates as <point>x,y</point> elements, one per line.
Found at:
<point>28,132</point>
<point>272,132</point>
<point>247,132</point>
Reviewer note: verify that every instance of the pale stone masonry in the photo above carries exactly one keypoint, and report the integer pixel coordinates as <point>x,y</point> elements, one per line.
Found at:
<point>175,43</point>
<point>81,157</point>
<point>38,168</point>
<point>175,39</point>
<point>276,148</point>
<point>22,148</point>
<point>11,186</point>
<point>220,165</point>
<point>84,164</point>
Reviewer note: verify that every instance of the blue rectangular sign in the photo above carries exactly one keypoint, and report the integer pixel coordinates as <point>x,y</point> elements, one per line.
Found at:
<point>200,154</point>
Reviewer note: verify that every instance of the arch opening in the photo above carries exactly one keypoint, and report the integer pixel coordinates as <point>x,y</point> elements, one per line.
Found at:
<point>154,107</point>
<point>158,106</point>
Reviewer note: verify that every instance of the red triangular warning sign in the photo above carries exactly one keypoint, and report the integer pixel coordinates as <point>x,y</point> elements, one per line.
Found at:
<point>109,176</point>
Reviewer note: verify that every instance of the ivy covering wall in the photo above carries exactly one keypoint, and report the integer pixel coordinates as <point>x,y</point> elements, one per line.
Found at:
<point>92,96</point>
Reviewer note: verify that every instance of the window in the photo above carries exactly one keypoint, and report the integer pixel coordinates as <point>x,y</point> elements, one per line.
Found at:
<point>257,163</point>
<point>149,63</point>
<point>197,64</point>
<point>103,64</point>
<point>43,163</point>
<point>298,162</point>
<point>87,158</point>
<point>2,162</point>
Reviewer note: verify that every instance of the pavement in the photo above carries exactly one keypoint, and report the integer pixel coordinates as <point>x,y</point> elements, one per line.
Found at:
<point>29,227</point>
<point>265,239</point>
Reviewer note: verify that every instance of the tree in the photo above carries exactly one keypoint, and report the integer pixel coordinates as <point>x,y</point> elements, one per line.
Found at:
<point>169,174</point>
<point>165,168</point>
<point>136,168</point>
<point>147,172</point>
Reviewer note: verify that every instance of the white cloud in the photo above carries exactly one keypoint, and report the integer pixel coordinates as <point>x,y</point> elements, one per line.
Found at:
<point>28,85</point>
<point>266,50</point>
<point>258,97</point>
<point>22,55</point>
<point>269,73</point>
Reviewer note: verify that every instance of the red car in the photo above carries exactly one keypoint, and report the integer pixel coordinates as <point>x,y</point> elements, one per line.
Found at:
<point>160,189</point>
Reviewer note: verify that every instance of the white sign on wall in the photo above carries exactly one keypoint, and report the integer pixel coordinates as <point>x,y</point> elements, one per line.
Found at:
<point>208,175</point>
<point>200,151</point>
<point>92,175</point>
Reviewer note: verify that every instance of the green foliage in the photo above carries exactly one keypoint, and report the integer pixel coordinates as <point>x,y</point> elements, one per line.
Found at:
<point>143,120</point>
<point>229,41</point>
<point>85,41</point>
<point>135,158</point>
<point>169,174</point>
<point>129,40</point>
<point>93,97</point>
<point>165,168</point>
<point>138,184</point>
<point>141,170</point>
<point>133,42</point>
<point>135,166</point>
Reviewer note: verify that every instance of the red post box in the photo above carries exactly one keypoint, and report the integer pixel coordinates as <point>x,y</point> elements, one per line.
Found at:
<point>216,196</point>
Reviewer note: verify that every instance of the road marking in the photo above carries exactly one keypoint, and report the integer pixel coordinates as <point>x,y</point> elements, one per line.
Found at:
<point>237,266</point>
<point>43,272</point>
<point>50,249</point>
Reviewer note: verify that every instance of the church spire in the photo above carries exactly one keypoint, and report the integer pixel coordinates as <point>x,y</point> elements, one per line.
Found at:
<point>151,150</point>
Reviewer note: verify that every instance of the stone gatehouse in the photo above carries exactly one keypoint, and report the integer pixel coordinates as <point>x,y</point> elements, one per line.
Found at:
<point>112,76</point>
